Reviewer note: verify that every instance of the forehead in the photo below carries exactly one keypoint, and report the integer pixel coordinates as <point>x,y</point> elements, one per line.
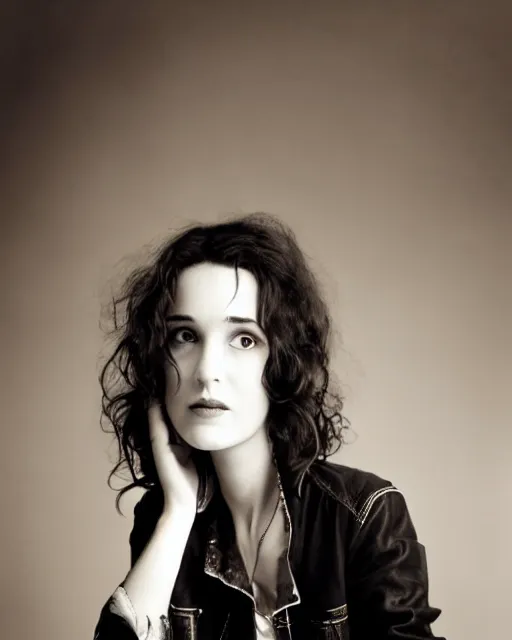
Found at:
<point>207,290</point>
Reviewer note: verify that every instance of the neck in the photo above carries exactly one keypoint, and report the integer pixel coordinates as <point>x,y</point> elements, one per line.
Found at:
<point>248,481</point>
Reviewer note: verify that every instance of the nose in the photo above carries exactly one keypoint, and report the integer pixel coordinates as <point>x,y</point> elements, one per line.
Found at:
<point>210,364</point>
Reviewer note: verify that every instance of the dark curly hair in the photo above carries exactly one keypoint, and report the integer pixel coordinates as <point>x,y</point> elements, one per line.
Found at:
<point>304,419</point>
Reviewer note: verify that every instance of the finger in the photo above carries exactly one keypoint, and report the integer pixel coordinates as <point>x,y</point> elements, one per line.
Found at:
<point>160,433</point>
<point>157,427</point>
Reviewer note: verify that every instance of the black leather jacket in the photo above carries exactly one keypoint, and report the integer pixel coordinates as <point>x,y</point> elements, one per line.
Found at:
<point>354,568</point>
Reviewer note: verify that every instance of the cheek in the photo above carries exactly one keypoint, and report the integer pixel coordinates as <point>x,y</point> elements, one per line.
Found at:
<point>182,364</point>
<point>260,367</point>
<point>249,381</point>
<point>252,363</point>
<point>171,384</point>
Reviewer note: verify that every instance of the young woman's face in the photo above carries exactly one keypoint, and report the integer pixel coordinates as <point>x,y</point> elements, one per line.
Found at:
<point>218,356</point>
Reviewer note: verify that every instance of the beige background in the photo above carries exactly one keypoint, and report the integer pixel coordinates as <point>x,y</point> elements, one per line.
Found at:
<point>381,132</point>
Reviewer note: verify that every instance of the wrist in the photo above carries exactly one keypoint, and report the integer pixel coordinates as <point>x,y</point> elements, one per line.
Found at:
<point>176,516</point>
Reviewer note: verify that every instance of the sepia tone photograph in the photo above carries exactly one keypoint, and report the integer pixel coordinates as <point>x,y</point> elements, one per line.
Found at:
<point>256,311</point>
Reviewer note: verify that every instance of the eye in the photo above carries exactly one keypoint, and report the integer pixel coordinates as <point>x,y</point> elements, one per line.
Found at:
<point>244,337</point>
<point>185,334</point>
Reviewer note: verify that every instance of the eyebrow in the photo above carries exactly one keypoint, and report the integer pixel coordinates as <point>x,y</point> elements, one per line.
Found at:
<point>230,319</point>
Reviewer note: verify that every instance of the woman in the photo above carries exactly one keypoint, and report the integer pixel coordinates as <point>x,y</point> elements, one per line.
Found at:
<point>224,415</point>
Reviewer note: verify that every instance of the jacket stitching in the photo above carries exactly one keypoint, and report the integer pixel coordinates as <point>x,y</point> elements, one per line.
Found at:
<point>370,499</point>
<point>225,626</point>
<point>288,624</point>
<point>363,514</point>
<point>328,489</point>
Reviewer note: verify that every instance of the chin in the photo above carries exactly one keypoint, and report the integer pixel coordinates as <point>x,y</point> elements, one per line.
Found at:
<point>207,437</point>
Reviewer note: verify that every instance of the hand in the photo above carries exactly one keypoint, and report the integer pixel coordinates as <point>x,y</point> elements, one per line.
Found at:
<point>174,464</point>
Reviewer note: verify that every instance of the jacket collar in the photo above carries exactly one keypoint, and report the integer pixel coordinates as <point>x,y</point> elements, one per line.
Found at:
<point>223,559</point>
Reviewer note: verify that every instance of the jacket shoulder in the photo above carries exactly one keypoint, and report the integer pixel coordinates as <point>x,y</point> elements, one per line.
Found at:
<point>355,488</point>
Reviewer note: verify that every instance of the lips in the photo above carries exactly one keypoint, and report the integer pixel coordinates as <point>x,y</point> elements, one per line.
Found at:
<point>209,404</point>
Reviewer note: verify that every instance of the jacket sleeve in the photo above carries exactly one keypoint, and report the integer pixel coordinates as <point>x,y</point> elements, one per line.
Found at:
<point>387,578</point>
<point>118,619</point>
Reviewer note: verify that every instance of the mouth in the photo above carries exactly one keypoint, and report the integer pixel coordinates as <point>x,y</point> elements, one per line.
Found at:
<point>208,408</point>
<point>207,412</point>
<point>209,404</point>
